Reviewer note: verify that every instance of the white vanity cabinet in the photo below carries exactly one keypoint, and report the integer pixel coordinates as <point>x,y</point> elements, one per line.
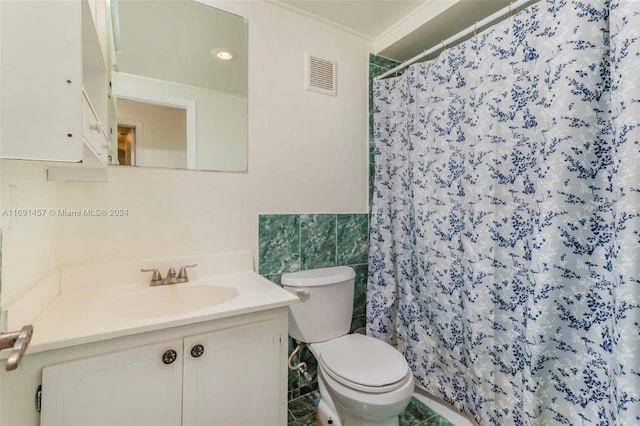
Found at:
<point>54,86</point>
<point>235,379</point>
<point>230,376</point>
<point>130,387</point>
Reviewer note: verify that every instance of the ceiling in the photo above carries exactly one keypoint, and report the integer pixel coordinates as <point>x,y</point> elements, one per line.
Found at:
<point>377,20</point>
<point>397,29</point>
<point>369,18</point>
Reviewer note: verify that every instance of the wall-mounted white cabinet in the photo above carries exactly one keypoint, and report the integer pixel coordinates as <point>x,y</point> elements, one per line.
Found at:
<point>54,84</point>
<point>225,377</point>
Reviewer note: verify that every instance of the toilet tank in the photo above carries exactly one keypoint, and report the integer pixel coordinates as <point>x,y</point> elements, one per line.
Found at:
<point>326,303</point>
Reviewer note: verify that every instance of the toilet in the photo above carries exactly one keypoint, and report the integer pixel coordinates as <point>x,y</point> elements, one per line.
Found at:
<point>363,381</point>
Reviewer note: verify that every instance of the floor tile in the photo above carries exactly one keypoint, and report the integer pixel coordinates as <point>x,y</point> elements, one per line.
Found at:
<point>302,412</point>
<point>436,421</point>
<point>415,414</point>
<point>308,420</point>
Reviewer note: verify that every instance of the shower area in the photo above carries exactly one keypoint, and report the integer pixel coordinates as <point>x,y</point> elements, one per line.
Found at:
<point>504,255</point>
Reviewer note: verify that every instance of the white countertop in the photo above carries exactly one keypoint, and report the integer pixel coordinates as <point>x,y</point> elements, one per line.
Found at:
<point>99,313</point>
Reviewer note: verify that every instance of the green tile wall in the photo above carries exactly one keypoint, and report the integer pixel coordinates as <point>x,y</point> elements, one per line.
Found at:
<point>318,247</point>
<point>292,242</point>
<point>278,243</point>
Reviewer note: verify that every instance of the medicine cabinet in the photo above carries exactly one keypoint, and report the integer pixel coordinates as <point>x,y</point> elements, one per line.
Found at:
<point>55,89</point>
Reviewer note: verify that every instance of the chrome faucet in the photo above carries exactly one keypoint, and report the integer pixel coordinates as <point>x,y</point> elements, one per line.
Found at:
<point>171,278</point>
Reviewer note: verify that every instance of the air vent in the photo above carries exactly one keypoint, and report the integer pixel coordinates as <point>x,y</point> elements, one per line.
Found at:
<point>320,75</point>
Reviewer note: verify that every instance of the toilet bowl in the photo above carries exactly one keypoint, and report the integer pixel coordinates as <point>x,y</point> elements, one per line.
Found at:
<point>362,381</point>
<point>368,380</point>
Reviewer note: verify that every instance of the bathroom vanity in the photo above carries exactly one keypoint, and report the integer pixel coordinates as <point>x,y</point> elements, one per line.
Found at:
<point>211,351</point>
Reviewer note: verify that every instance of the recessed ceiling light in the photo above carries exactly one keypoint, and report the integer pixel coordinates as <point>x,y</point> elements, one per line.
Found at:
<point>222,54</point>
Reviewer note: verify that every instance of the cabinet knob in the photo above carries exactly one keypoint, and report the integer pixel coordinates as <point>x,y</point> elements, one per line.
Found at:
<point>96,127</point>
<point>169,356</point>
<point>197,351</point>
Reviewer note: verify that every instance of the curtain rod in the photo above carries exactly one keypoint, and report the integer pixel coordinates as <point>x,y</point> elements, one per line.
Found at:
<point>451,40</point>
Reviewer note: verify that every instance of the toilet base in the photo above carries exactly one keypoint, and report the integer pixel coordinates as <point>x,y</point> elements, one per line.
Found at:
<point>326,417</point>
<point>351,420</point>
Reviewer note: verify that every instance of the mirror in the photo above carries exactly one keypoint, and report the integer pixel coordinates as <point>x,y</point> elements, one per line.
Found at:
<point>180,105</point>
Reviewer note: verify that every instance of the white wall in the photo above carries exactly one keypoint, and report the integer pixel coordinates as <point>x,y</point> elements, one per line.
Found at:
<point>307,153</point>
<point>29,241</point>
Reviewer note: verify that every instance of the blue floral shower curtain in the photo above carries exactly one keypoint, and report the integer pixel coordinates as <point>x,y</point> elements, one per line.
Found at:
<point>504,259</point>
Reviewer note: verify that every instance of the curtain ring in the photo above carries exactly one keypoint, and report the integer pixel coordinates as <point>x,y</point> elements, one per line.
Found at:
<point>510,10</point>
<point>475,29</point>
<point>444,46</point>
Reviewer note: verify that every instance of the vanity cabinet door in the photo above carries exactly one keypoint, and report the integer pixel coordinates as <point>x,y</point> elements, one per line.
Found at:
<point>135,387</point>
<point>233,377</point>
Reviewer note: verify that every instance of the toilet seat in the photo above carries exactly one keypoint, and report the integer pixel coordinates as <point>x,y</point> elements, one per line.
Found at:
<point>363,363</point>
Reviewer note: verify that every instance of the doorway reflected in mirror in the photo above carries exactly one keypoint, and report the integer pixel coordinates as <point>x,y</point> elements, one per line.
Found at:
<point>126,145</point>
<point>165,135</point>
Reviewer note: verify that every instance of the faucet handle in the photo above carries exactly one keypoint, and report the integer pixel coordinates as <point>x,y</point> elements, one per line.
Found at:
<point>182,275</point>
<point>156,278</point>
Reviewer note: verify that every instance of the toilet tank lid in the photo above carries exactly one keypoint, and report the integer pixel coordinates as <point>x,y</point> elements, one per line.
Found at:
<point>318,277</point>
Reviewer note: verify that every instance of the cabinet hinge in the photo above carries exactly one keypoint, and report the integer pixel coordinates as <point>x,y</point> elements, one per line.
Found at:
<point>39,398</point>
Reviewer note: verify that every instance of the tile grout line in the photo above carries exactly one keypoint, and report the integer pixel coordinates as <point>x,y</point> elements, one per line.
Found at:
<point>299,242</point>
<point>335,229</point>
<point>424,422</point>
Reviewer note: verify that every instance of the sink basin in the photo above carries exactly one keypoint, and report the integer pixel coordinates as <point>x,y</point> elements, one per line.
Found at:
<point>173,299</point>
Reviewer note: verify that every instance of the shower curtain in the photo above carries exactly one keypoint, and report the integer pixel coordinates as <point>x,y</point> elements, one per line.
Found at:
<point>505,227</point>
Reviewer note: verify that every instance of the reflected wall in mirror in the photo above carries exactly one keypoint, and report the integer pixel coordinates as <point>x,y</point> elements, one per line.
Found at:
<point>168,72</point>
